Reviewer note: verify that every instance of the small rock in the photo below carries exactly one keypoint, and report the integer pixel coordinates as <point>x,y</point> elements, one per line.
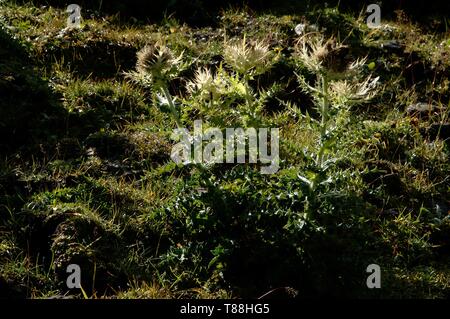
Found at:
<point>441,208</point>
<point>303,28</point>
<point>300,28</point>
<point>422,110</point>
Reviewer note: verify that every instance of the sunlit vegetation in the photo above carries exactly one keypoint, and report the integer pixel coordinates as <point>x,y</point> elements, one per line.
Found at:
<point>86,177</point>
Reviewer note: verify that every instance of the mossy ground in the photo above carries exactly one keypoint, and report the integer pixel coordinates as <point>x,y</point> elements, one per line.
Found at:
<point>86,175</point>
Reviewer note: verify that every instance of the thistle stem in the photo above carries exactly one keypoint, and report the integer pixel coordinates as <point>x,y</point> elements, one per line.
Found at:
<point>324,112</point>
<point>173,110</point>
<point>325,105</point>
<point>249,97</point>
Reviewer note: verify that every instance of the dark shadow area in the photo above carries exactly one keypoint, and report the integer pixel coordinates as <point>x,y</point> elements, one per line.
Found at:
<point>36,129</point>
<point>96,58</point>
<point>204,12</point>
<point>29,111</point>
<point>30,116</point>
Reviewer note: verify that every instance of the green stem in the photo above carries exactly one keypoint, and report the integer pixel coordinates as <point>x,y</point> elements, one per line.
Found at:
<point>324,113</point>
<point>249,98</point>
<point>325,105</point>
<point>172,107</point>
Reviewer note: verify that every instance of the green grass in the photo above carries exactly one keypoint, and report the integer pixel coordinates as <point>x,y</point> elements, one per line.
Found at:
<point>86,175</point>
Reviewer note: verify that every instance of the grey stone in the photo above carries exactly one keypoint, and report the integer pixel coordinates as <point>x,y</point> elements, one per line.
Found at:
<point>422,109</point>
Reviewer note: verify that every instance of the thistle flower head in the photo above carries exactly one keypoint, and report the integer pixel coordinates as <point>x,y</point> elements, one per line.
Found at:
<point>158,61</point>
<point>345,93</point>
<point>207,84</point>
<point>246,57</point>
<point>203,80</point>
<point>320,56</point>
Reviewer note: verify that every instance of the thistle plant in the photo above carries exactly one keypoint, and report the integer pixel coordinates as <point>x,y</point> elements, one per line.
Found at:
<point>207,86</point>
<point>156,66</point>
<point>248,59</point>
<point>339,83</point>
<point>214,93</point>
<point>211,94</point>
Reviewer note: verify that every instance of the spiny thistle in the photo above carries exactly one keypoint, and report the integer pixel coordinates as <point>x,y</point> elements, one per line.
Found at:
<point>345,93</point>
<point>207,85</point>
<point>156,66</point>
<point>249,58</point>
<point>158,61</point>
<point>322,56</point>
<point>339,83</point>
<point>338,79</point>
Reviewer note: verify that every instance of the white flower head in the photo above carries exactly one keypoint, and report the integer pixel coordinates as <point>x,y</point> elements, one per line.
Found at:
<point>208,85</point>
<point>246,57</point>
<point>344,93</point>
<point>158,61</point>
